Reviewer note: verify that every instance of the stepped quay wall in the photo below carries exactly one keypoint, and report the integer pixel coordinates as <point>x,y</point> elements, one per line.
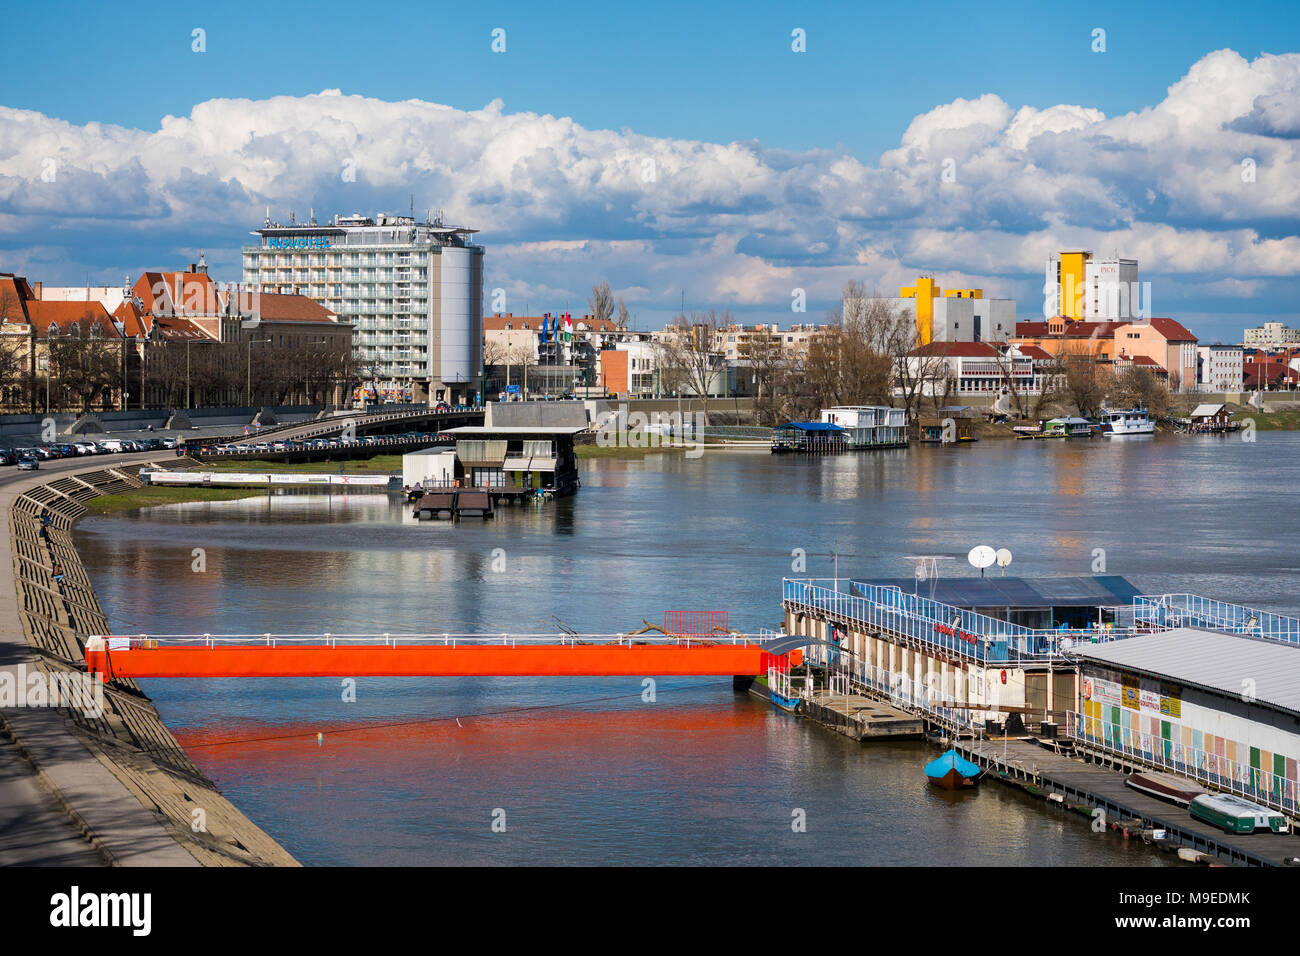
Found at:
<point>126,786</point>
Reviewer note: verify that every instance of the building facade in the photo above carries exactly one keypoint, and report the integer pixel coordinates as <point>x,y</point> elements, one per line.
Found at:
<point>412,292</point>
<point>1219,368</point>
<point>1080,287</point>
<point>1271,335</point>
<point>955,315</point>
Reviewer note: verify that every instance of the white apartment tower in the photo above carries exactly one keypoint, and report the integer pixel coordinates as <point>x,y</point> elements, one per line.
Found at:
<point>413,292</point>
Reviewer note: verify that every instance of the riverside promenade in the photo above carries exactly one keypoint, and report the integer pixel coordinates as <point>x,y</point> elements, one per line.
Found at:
<point>80,788</point>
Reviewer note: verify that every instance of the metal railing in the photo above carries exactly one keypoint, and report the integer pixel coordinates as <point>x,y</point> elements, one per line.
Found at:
<point>1193,610</point>
<point>1254,783</point>
<point>967,634</point>
<point>122,642</point>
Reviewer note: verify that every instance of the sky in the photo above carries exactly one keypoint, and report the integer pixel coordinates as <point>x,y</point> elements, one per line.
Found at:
<point>683,152</point>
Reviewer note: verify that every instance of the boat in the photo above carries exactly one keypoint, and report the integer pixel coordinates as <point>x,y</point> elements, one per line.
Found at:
<point>789,704</point>
<point>1233,814</point>
<point>952,771</point>
<point>1165,786</point>
<point>1128,421</point>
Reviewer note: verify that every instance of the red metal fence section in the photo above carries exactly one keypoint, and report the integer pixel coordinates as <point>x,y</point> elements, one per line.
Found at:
<point>696,623</point>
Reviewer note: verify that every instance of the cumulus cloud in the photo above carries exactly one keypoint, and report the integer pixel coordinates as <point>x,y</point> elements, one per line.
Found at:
<point>1204,183</point>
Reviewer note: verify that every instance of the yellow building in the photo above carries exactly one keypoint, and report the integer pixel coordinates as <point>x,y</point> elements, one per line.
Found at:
<point>925,292</point>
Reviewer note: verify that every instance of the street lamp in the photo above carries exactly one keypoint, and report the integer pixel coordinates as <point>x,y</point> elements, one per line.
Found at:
<point>251,342</point>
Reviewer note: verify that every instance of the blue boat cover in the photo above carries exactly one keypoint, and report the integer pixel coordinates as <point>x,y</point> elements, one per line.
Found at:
<point>940,767</point>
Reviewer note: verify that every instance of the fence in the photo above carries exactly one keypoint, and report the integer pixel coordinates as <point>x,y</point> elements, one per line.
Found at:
<point>968,634</point>
<point>1254,783</point>
<point>1192,610</point>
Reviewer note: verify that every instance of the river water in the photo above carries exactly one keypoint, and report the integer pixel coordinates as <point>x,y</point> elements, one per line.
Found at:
<point>417,771</point>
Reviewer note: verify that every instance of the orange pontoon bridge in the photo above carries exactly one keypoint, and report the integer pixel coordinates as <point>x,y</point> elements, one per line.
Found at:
<point>666,652</point>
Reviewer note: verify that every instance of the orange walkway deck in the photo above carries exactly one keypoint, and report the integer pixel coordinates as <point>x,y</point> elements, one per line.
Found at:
<point>438,660</point>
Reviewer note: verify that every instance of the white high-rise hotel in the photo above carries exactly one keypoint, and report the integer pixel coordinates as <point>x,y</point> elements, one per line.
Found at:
<point>413,292</point>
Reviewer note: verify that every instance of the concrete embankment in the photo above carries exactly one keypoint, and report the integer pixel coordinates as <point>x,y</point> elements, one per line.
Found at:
<point>118,774</point>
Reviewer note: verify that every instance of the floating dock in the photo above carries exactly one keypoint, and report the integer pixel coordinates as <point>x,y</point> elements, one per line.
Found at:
<point>862,718</point>
<point>1083,786</point>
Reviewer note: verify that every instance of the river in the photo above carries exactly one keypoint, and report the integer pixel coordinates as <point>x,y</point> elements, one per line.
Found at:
<point>586,771</point>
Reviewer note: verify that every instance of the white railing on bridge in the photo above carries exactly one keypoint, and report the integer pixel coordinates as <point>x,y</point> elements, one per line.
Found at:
<point>121,642</point>
<point>1262,786</point>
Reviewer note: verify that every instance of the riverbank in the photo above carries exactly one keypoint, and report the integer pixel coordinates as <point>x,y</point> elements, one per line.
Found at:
<point>115,769</point>
<point>155,495</point>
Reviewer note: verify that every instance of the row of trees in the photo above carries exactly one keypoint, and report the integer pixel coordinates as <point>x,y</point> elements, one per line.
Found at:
<point>867,354</point>
<point>83,372</point>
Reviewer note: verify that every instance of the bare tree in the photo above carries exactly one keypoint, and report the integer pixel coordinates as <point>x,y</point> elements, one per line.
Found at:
<point>688,353</point>
<point>763,353</point>
<point>601,301</point>
<point>621,317</point>
<point>83,363</point>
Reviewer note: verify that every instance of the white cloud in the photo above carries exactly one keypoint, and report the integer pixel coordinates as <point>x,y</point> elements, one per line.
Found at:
<point>735,224</point>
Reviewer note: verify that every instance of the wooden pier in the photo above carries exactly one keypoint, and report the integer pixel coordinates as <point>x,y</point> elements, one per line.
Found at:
<point>1077,784</point>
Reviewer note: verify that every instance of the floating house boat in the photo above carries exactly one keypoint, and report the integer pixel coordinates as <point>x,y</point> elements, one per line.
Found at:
<point>952,771</point>
<point>954,424</point>
<point>814,438</point>
<point>1234,814</point>
<point>1210,420</point>
<point>869,426</point>
<point>1119,422</point>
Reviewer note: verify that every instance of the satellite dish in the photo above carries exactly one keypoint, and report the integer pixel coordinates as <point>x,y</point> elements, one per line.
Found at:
<point>1003,557</point>
<point>981,557</point>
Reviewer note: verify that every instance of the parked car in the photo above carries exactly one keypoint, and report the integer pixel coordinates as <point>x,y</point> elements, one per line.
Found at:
<point>7,456</point>
<point>28,463</point>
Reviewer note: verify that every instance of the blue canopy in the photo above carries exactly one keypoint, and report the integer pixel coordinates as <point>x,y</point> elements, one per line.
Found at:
<point>949,761</point>
<point>812,426</point>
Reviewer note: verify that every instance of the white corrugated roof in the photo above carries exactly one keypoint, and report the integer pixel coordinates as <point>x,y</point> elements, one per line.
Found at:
<point>1200,410</point>
<point>1228,663</point>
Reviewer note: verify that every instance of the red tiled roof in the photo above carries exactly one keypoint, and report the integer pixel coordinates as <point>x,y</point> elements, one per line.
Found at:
<point>1172,331</point>
<point>957,350</point>
<point>1082,330</point>
<point>1035,352</point>
<point>281,307</point>
<point>15,293</point>
<point>65,315</point>
<point>1259,373</point>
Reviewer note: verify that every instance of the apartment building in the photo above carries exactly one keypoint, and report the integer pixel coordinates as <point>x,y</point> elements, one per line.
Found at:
<point>412,292</point>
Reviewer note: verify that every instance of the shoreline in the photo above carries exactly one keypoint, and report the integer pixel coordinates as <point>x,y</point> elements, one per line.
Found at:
<point>123,780</point>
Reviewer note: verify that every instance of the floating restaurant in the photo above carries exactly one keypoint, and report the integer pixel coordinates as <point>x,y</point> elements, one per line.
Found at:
<point>1174,682</point>
<point>844,428</point>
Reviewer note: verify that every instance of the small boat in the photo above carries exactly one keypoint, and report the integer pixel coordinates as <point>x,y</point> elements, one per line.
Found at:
<point>1233,814</point>
<point>789,704</point>
<point>1165,786</point>
<point>952,771</point>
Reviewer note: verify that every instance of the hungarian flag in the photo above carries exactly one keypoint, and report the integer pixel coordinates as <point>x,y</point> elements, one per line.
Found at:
<point>568,328</point>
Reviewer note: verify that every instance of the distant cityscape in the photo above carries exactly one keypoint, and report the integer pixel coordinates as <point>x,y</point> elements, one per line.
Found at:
<point>387,309</point>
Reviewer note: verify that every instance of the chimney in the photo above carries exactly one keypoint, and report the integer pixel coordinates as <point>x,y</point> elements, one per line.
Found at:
<point>36,289</point>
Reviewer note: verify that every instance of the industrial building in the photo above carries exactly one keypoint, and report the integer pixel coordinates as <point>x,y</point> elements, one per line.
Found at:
<point>955,315</point>
<point>412,291</point>
<point>1080,287</point>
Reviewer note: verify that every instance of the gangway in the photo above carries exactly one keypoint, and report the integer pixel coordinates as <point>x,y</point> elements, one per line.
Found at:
<point>433,655</point>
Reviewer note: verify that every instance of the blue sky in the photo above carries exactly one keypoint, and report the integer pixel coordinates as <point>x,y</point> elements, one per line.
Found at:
<point>664,73</point>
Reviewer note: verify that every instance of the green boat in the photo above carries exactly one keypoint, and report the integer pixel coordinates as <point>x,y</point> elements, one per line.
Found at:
<point>1232,814</point>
